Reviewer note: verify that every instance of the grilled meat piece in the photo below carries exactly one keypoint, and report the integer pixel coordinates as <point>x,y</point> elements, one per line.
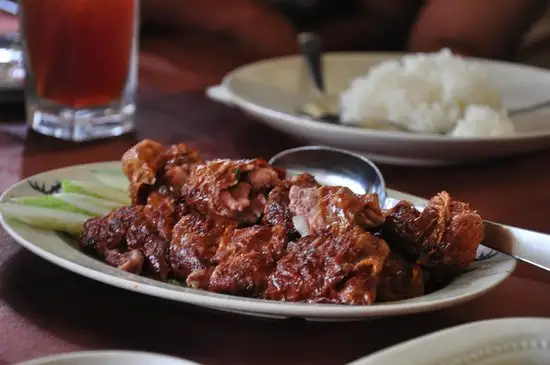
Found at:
<point>277,209</point>
<point>163,213</point>
<point>338,268</point>
<point>230,189</point>
<point>445,236</point>
<point>131,261</point>
<point>195,241</point>
<point>140,165</point>
<point>152,232</point>
<point>399,280</point>
<point>178,161</point>
<point>151,167</point>
<point>108,232</point>
<point>334,208</point>
<point>142,228</point>
<point>245,259</point>
<point>144,236</point>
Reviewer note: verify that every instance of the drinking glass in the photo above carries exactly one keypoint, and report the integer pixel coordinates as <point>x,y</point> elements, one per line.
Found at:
<point>80,61</point>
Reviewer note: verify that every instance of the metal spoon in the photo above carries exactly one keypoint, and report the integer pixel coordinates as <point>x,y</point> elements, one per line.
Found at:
<point>529,109</point>
<point>323,107</point>
<point>331,166</point>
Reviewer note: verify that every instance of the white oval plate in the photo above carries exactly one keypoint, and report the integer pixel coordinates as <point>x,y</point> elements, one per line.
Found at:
<point>272,90</point>
<point>509,341</point>
<point>490,270</point>
<point>108,358</point>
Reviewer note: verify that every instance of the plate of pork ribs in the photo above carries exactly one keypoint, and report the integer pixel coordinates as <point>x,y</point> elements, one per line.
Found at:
<point>238,236</point>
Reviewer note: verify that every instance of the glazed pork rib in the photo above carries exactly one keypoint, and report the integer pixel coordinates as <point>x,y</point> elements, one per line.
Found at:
<point>108,233</point>
<point>330,268</point>
<point>226,188</point>
<point>245,259</point>
<point>400,280</point>
<point>444,237</point>
<point>149,166</point>
<point>230,189</point>
<point>231,227</point>
<point>334,208</point>
<point>277,210</point>
<point>130,234</point>
<point>195,241</point>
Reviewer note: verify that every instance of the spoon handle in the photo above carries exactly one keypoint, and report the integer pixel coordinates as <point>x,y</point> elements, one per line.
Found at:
<point>310,46</point>
<point>529,246</point>
<point>530,108</point>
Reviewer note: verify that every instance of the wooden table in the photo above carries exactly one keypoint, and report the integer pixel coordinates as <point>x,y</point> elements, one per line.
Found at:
<point>45,309</point>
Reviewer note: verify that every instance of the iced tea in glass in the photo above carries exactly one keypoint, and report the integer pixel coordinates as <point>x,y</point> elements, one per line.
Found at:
<point>80,61</point>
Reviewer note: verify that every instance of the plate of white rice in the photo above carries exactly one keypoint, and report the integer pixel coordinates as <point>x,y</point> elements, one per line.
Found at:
<point>444,109</point>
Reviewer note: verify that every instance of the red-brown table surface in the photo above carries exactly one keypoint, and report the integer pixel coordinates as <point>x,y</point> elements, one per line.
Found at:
<point>45,309</point>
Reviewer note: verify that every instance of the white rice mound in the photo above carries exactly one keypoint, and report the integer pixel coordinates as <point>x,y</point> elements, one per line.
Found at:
<point>427,93</point>
<point>482,120</point>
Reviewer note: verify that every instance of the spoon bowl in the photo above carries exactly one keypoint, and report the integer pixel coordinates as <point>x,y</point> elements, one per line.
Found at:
<point>332,166</point>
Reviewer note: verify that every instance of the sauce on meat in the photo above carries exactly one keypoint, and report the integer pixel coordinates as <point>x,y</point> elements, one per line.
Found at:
<point>227,226</point>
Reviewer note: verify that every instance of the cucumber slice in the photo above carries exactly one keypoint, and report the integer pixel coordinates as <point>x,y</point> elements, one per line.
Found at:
<point>46,201</point>
<point>97,190</point>
<point>69,202</point>
<point>46,218</point>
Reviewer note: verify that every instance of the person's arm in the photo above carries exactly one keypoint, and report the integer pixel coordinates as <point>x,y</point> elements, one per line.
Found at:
<point>247,22</point>
<point>481,28</point>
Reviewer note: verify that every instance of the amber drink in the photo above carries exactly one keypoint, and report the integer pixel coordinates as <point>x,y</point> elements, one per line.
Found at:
<point>80,61</point>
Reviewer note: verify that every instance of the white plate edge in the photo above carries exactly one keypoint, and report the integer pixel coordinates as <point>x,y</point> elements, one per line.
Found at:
<point>468,338</point>
<point>106,353</point>
<point>235,100</point>
<point>218,301</point>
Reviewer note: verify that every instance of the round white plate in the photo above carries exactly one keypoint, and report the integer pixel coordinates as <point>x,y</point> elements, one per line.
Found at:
<point>272,90</point>
<point>509,341</point>
<point>108,358</point>
<point>490,269</point>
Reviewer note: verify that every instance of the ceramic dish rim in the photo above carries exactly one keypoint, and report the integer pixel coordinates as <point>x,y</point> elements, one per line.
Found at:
<point>291,119</point>
<point>140,284</point>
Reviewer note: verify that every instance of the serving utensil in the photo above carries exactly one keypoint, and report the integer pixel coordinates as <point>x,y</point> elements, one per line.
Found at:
<point>323,107</point>
<point>331,166</point>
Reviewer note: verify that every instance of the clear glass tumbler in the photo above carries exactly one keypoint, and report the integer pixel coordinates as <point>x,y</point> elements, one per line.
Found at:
<point>81,66</point>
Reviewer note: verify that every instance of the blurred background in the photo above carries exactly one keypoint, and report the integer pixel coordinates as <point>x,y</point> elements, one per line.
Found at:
<point>204,39</point>
<point>239,31</point>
